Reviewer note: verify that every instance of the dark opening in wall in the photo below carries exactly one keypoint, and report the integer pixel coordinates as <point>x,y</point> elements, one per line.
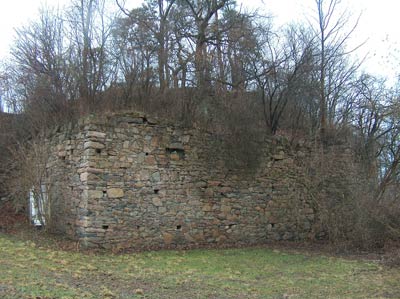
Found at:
<point>272,225</point>
<point>104,192</point>
<point>146,154</point>
<point>179,227</point>
<point>105,226</point>
<point>98,151</point>
<point>176,152</point>
<point>156,191</point>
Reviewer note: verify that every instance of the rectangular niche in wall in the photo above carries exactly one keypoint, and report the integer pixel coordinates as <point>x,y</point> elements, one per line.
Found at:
<point>175,151</point>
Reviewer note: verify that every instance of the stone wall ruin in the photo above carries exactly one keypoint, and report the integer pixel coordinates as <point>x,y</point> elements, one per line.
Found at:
<point>124,181</point>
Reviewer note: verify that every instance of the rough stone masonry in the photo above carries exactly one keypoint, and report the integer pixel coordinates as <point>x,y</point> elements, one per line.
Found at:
<point>124,181</point>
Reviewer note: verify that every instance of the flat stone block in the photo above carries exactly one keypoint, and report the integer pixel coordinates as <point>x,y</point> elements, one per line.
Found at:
<point>168,238</point>
<point>96,194</point>
<point>115,192</point>
<point>94,134</point>
<point>93,144</point>
<point>157,202</point>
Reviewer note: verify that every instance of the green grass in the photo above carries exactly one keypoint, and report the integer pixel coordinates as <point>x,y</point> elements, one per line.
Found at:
<point>30,271</point>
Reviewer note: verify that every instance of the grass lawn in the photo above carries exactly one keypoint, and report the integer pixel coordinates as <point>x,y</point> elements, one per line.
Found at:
<point>30,271</point>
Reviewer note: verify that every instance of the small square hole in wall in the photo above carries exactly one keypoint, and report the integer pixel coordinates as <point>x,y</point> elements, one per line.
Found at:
<point>105,226</point>
<point>146,154</point>
<point>179,227</point>
<point>156,191</point>
<point>98,151</point>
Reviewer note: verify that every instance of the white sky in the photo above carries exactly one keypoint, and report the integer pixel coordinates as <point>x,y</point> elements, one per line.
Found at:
<point>378,24</point>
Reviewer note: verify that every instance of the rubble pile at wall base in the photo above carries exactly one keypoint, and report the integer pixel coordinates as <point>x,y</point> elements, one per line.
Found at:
<point>124,181</point>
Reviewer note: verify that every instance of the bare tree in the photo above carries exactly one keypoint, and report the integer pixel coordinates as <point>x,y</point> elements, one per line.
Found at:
<point>89,30</point>
<point>137,50</point>
<point>40,69</point>
<point>202,13</point>
<point>333,35</point>
<point>156,14</point>
<point>375,116</point>
<point>280,72</point>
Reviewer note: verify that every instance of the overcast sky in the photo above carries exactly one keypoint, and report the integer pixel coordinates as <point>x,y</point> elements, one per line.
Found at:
<point>378,25</point>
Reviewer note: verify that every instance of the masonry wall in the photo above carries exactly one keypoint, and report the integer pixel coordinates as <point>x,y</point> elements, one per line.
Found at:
<point>65,162</point>
<point>125,181</point>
